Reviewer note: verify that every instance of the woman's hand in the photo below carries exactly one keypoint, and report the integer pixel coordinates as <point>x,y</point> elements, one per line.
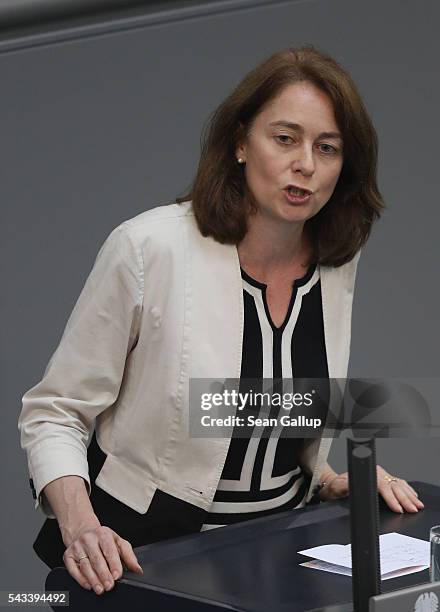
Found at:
<point>336,487</point>
<point>95,555</point>
<point>397,493</point>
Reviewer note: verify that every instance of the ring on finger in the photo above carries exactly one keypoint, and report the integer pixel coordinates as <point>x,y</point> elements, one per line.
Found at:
<point>78,561</point>
<point>391,479</point>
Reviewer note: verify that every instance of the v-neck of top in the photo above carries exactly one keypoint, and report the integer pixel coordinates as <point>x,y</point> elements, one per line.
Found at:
<point>299,282</point>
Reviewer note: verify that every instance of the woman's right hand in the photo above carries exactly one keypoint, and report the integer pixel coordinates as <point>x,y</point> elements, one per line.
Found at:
<point>95,554</point>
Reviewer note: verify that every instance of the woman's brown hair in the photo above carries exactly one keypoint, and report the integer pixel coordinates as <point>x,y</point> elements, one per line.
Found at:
<point>219,190</point>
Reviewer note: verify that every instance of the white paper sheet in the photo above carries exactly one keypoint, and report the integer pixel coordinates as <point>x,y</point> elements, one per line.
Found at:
<point>399,555</point>
<point>338,569</point>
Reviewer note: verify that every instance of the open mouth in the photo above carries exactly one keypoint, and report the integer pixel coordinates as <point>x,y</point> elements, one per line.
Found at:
<point>296,195</point>
<point>297,191</point>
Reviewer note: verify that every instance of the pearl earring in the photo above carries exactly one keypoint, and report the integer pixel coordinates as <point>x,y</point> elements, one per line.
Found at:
<point>240,160</point>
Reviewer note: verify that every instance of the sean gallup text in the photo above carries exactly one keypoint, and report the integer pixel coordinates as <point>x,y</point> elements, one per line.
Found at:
<point>254,421</point>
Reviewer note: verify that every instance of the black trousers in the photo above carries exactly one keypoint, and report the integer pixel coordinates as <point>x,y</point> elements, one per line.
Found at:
<point>167,517</point>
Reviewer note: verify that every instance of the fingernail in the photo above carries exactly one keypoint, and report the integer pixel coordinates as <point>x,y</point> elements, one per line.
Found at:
<point>107,585</point>
<point>400,509</point>
<point>87,586</point>
<point>99,589</point>
<point>141,570</point>
<point>115,575</point>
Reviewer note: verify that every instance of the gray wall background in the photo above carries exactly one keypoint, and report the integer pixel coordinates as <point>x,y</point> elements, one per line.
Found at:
<point>96,130</point>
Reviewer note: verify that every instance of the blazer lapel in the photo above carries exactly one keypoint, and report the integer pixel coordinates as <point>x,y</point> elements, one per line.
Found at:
<point>337,288</point>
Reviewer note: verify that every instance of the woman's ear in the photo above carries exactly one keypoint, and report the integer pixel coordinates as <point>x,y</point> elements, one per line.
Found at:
<point>240,149</point>
<point>240,152</point>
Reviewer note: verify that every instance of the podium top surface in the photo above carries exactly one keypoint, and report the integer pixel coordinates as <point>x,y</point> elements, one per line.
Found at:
<point>255,565</point>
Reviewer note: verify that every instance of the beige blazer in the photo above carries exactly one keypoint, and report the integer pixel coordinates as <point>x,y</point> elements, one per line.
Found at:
<point>162,305</point>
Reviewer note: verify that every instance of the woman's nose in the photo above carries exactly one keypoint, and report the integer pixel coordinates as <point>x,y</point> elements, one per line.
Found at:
<point>304,161</point>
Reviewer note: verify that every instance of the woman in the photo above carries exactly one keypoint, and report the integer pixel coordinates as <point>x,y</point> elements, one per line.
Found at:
<point>252,278</point>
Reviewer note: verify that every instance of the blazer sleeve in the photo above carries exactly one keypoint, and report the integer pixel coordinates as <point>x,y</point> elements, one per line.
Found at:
<point>84,374</point>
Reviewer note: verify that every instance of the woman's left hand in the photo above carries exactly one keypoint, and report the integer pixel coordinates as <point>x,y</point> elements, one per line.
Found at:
<point>396,492</point>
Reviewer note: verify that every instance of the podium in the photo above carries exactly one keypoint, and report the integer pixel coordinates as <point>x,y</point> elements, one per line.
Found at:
<point>253,566</point>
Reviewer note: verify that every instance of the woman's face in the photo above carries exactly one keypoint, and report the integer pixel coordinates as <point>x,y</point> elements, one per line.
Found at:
<point>293,141</point>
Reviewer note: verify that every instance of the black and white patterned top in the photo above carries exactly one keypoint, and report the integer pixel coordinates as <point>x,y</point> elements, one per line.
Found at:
<point>261,474</point>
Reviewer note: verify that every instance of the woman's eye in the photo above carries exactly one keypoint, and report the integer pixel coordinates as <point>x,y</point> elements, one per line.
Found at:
<point>282,138</point>
<point>326,148</point>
